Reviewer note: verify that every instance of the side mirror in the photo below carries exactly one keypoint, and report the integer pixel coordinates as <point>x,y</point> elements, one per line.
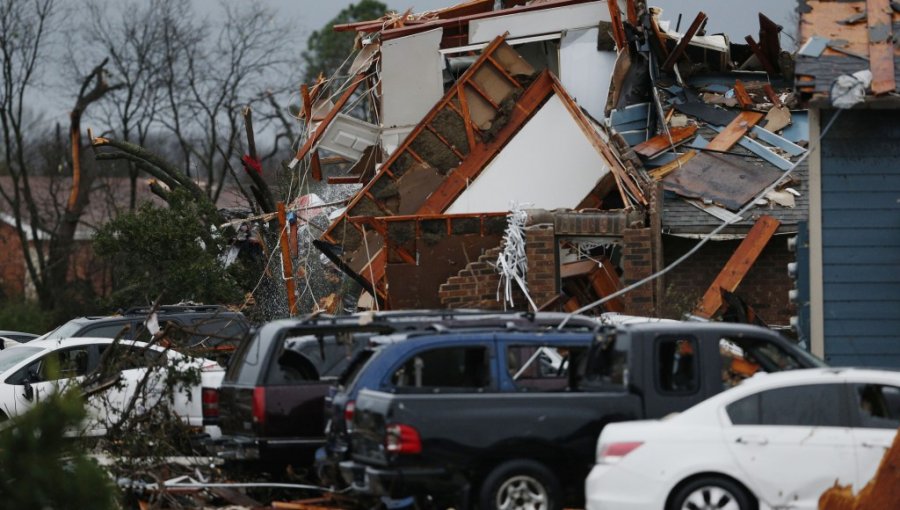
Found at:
<point>29,392</point>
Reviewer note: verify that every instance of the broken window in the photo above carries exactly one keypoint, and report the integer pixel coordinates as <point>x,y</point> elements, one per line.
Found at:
<point>62,364</point>
<point>743,357</point>
<point>455,369</point>
<point>878,406</point>
<point>677,364</point>
<point>812,405</point>
<point>540,368</point>
<point>607,362</point>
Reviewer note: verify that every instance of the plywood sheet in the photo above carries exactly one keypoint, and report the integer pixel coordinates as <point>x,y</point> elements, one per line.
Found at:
<point>551,144</point>
<point>730,181</point>
<point>412,80</point>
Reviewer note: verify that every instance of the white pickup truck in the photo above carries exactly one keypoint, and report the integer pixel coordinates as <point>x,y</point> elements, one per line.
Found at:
<point>30,372</point>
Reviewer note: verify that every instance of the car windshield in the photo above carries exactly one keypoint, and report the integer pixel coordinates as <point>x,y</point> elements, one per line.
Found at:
<point>12,356</point>
<point>65,331</point>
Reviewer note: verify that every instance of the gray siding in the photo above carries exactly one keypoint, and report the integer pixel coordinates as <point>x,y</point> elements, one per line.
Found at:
<point>861,238</point>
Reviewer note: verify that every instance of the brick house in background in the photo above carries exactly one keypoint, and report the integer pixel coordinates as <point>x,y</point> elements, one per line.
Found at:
<point>110,197</point>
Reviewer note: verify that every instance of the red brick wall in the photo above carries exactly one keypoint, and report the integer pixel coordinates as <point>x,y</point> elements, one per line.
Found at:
<point>765,287</point>
<point>540,248</point>
<point>12,267</point>
<point>637,263</point>
<point>476,285</point>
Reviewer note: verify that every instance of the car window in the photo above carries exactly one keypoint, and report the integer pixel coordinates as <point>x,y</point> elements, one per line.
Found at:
<point>107,330</point>
<point>813,405</point>
<point>448,369</point>
<point>878,406</point>
<point>66,330</point>
<point>127,357</point>
<point>539,368</point>
<point>246,364</point>
<point>12,357</point>
<point>61,364</point>
<point>744,356</point>
<point>677,364</point>
<point>606,364</point>
<point>217,331</point>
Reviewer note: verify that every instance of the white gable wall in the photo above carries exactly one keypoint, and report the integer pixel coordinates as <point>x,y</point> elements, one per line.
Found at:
<point>550,163</point>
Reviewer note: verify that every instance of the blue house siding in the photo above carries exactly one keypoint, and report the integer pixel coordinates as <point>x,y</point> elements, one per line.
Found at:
<point>860,166</point>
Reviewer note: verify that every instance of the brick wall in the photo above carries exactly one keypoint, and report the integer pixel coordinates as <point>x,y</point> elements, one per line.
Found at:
<point>540,248</point>
<point>475,286</point>
<point>12,267</point>
<point>765,287</point>
<point>637,263</point>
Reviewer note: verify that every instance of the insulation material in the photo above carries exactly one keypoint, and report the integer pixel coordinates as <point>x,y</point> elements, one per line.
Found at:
<point>584,71</point>
<point>411,78</point>
<point>541,21</point>
<point>552,143</point>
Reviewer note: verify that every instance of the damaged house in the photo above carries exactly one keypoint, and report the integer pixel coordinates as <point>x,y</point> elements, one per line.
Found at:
<point>849,58</point>
<point>547,154</point>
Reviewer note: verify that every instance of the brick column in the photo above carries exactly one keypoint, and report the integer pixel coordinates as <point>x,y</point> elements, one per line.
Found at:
<point>540,248</point>
<point>637,263</point>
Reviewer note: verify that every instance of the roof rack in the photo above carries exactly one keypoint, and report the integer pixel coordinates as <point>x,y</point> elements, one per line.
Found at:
<point>181,308</point>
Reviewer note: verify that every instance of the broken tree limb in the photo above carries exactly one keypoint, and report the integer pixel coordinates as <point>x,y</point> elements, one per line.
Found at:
<point>737,266</point>
<point>260,188</point>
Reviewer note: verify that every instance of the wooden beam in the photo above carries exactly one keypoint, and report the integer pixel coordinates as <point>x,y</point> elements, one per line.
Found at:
<point>881,47</point>
<point>658,173</point>
<point>631,11</point>
<point>760,55</point>
<point>734,131</point>
<point>618,31</point>
<point>287,264</point>
<point>738,265</point>
<point>679,50</point>
<point>661,143</point>
<point>740,92</point>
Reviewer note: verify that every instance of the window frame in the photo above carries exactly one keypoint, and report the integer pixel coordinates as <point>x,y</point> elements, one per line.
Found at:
<point>387,383</point>
<point>657,364</point>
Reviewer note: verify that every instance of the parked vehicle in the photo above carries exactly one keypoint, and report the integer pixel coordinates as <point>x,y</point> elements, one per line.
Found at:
<point>777,441</point>
<point>31,371</point>
<point>473,423</point>
<point>209,330</point>
<point>270,405</point>
<point>360,374</point>
<point>17,336</point>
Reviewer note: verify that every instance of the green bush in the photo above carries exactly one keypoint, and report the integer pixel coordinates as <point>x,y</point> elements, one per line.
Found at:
<point>42,468</point>
<point>24,316</point>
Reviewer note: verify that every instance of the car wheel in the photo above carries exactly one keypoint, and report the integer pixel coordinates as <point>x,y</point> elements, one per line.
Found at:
<point>712,493</point>
<point>520,485</point>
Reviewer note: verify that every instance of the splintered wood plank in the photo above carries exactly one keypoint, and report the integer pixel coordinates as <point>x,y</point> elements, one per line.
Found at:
<point>679,50</point>
<point>660,172</point>
<point>881,48</point>
<point>661,143</point>
<point>734,131</point>
<point>323,126</point>
<point>740,92</point>
<point>738,265</point>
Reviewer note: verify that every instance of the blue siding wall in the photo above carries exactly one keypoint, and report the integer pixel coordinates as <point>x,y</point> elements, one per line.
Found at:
<point>861,238</point>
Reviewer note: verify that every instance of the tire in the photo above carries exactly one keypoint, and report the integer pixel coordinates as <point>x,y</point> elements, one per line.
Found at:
<point>520,485</point>
<point>712,493</point>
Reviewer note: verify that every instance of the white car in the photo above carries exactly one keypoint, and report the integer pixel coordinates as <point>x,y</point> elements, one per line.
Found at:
<point>29,372</point>
<point>776,441</point>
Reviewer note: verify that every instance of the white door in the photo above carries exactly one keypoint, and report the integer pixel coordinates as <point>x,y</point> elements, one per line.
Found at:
<point>877,411</point>
<point>793,443</point>
<point>54,372</point>
<point>134,393</point>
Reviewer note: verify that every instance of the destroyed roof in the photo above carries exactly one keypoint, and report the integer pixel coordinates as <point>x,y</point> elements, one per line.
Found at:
<point>842,38</point>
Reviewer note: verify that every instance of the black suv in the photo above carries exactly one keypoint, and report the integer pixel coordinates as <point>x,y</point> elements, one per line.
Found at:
<point>209,330</point>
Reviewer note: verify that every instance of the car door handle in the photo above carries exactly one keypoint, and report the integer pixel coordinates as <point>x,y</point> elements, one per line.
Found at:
<point>760,440</point>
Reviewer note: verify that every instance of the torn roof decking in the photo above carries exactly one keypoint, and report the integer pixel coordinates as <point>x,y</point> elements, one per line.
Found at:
<point>865,38</point>
<point>455,141</point>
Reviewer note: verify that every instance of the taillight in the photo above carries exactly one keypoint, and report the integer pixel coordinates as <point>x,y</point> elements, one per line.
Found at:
<point>349,410</point>
<point>613,452</point>
<point>210,403</point>
<point>259,405</point>
<point>402,439</point>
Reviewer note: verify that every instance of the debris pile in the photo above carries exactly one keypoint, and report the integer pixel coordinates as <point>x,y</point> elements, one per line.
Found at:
<point>445,118</point>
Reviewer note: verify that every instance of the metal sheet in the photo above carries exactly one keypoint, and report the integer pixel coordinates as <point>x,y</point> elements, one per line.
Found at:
<point>411,77</point>
<point>584,71</point>
<point>725,180</point>
<point>542,21</point>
